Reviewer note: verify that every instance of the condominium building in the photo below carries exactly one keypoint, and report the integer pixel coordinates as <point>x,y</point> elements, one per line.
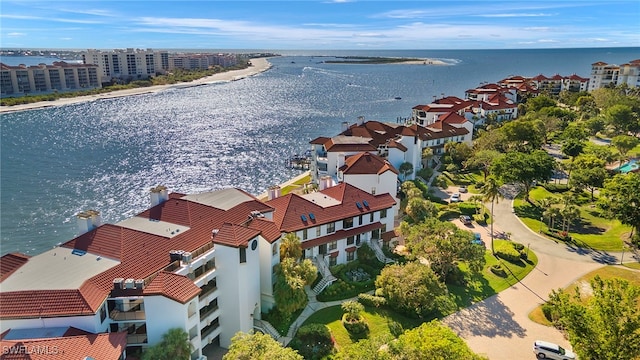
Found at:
<point>202,262</point>
<point>201,61</point>
<point>41,79</point>
<point>127,63</point>
<point>604,75</point>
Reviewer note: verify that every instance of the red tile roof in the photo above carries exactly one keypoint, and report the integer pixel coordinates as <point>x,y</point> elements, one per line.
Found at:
<point>141,254</point>
<point>366,163</point>
<point>10,263</point>
<point>105,346</point>
<point>176,287</point>
<point>235,235</point>
<point>290,207</point>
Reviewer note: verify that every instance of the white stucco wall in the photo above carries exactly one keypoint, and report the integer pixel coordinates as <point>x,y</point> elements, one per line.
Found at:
<point>163,314</point>
<point>239,285</point>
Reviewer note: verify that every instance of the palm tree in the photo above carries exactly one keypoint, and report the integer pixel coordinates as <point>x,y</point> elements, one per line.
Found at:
<point>569,214</point>
<point>290,247</point>
<point>491,192</point>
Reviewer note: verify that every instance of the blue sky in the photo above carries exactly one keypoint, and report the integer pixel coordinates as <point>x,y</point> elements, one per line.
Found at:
<point>337,24</point>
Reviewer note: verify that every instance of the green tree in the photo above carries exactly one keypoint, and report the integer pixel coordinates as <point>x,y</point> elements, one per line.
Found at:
<point>352,309</point>
<point>622,118</point>
<point>620,198</point>
<point>607,325</point>
<point>258,346</point>
<point>624,143</point>
<point>589,173</point>
<point>406,168</point>
<point>605,153</point>
<point>539,102</point>
<point>524,135</point>
<point>491,192</point>
<point>443,245</point>
<point>366,349</point>
<point>482,160</point>
<point>524,168</point>
<point>291,277</point>
<point>290,247</point>
<point>175,345</point>
<point>431,340</point>
<point>459,152</point>
<point>419,209</point>
<point>412,288</point>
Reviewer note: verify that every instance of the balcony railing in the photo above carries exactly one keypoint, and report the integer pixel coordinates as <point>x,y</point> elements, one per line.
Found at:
<point>118,315</point>
<point>136,339</point>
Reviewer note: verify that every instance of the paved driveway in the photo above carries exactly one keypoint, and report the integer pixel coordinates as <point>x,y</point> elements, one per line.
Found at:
<point>499,327</point>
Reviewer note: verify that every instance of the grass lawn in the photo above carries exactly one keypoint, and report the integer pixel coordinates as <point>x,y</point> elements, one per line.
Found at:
<point>592,232</point>
<point>296,185</point>
<point>633,265</point>
<point>605,272</point>
<point>486,284</point>
<point>377,319</point>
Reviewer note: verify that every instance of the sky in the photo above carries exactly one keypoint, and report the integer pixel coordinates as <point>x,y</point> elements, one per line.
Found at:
<point>318,25</point>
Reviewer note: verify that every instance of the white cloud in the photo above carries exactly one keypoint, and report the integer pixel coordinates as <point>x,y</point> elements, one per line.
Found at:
<point>16,34</point>
<point>515,15</point>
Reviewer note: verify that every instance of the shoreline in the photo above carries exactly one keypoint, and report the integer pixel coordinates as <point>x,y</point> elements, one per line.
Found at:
<point>259,65</point>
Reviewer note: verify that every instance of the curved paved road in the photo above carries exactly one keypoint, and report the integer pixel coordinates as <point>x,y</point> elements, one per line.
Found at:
<point>499,327</point>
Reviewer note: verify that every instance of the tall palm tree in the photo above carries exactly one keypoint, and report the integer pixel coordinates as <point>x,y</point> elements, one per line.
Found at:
<point>290,247</point>
<point>491,192</point>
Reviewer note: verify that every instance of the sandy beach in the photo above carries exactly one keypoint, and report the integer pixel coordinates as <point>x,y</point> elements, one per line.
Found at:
<point>258,65</point>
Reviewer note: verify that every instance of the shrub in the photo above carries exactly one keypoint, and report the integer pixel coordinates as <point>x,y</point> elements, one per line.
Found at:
<point>481,219</point>
<point>556,188</point>
<point>313,341</point>
<point>507,252</point>
<point>425,173</point>
<point>372,300</point>
<point>467,208</point>
<point>498,270</point>
<point>395,328</point>
<point>358,326</point>
<point>518,246</point>
<point>365,254</point>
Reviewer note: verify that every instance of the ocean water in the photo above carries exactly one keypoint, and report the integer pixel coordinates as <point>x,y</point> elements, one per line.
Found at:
<point>107,154</point>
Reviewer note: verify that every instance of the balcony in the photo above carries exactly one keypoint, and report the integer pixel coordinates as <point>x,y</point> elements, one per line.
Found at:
<point>118,315</point>
<point>136,339</point>
<point>207,330</point>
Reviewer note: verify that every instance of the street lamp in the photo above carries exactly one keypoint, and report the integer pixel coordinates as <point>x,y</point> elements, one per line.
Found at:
<point>541,222</point>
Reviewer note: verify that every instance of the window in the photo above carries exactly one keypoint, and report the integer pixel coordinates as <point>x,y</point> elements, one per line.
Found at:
<point>103,313</point>
<point>274,249</point>
<point>333,245</point>
<point>351,256</point>
<point>371,217</point>
<point>350,240</point>
<point>347,223</point>
<point>383,213</point>
<point>360,220</point>
<point>331,228</point>
<point>304,234</point>
<point>318,231</point>
<point>243,255</point>
<point>358,240</point>
<point>384,229</point>
<point>333,261</point>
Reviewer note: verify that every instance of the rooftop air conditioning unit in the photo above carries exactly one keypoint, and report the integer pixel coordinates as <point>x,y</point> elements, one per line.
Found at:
<point>129,284</point>
<point>186,257</point>
<point>139,283</point>
<point>118,283</point>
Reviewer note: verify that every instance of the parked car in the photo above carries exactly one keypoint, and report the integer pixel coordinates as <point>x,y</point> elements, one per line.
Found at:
<point>547,350</point>
<point>463,189</point>
<point>465,219</point>
<point>455,198</point>
<point>477,239</point>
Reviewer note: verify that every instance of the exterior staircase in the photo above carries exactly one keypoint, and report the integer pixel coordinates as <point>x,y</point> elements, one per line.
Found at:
<point>373,244</point>
<point>266,328</point>
<point>327,277</point>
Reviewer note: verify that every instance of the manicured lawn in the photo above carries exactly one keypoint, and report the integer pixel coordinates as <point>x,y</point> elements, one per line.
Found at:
<point>605,272</point>
<point>486,284</point>
<point>377,319</point>
<point>296,185</point>
<point>633,265</point>
<point>593,231</point>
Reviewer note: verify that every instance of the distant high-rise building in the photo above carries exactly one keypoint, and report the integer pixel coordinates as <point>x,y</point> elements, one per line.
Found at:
<point>60,76</point>
<point>603,74</point>
<point>127,63</point>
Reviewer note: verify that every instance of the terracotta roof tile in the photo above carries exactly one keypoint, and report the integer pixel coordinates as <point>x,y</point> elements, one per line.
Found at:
<point>176,287</point>
<point>340,234</point>
<point>290,207</point>
<point>105,346</point>
<point>366,163</point>
<point>235,235</point>
<point>10,263</point>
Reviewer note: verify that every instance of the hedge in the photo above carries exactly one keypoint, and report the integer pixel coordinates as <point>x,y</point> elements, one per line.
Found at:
<point>507,252</point>
<point>372,300</point>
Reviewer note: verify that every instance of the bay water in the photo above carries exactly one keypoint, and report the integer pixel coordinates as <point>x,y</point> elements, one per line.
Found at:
<point>107,154</point>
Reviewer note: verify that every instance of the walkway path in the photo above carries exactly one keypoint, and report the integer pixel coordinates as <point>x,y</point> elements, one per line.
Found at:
<point>499,327</point>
